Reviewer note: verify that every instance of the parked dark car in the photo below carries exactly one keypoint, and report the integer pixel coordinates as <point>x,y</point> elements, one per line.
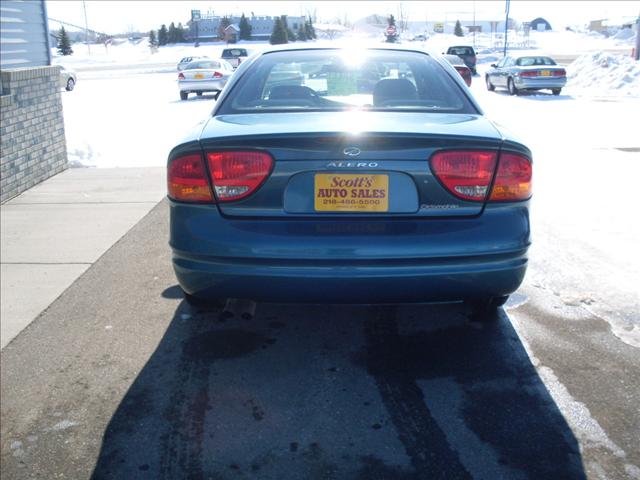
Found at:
<point>461,68</point>
<point>526,73</point>
<point>316,191</point>
<point>467,54</point>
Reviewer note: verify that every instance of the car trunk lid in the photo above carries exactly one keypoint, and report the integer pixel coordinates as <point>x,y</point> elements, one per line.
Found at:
<point>380,159</point>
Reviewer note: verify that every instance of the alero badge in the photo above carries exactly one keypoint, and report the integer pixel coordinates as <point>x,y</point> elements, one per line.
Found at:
<point>351,151</point>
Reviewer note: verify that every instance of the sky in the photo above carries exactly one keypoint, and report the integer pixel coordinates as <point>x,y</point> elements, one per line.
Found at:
<point>114,17</point>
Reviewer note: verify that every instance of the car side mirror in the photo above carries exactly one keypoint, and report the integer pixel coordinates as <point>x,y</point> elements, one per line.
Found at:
<point>494,65</point>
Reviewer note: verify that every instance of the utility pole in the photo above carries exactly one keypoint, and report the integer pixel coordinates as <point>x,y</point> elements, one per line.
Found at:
<point>637,55</point>
<point>86,27</point>
<point>506,26</point>
<point>474,25</point>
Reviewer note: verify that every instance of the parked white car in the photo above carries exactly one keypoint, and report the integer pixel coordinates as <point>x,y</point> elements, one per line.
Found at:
<point>68,78</point>
<point>203,76</point>
<point>187,60</point>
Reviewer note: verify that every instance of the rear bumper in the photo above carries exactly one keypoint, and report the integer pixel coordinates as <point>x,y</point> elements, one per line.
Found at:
<point>201,85</point>
<point>340,261</point>
<point>351,282</point>
<point>550,82</point>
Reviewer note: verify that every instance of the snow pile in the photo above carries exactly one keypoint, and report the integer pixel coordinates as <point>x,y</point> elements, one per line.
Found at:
<point>624,34</point>
<point>604,74</point>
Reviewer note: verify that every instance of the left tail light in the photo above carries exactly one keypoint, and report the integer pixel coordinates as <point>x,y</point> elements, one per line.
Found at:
<point>187,180</point>
<point>237,174</point>
<point>181,76</point>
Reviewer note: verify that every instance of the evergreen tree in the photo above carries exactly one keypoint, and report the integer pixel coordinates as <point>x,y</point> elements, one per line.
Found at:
<point>163,35</point>
<point>171,34</point>
<point>279,33</point>
<point>224,23</point>
<point>309,31</point>
<point>180,34</point>
<point>392,32</point>
<point>291,35</point>
<point>302,34</point>
<point>457,31</point>
<point>64,44</point>
<point>153,41</point>
<point>245,28</point>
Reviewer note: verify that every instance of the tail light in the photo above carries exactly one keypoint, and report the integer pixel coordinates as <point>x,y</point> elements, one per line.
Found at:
<point>468,174</point>
<point>217,75</point>
<point>559,73</point>
<point>181,76</point>
<point>237,174</point>
<point>513,180</point>
<point>532,73</point>
<point>187,180</point>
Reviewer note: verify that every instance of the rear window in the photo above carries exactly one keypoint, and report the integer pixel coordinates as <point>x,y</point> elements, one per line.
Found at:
<point>207,65</point>
<point>461,51</point>
<point>334,79</point>
<point>234,53</point>
<point>534,61</point>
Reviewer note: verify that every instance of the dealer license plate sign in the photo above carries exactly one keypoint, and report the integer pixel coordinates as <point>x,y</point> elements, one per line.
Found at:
<point>337,192</point>
<point>546,73</point>
<point>199,75</point>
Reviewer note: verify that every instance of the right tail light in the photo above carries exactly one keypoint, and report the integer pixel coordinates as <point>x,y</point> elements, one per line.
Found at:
<point>513,180</point>
<point>467,174</point>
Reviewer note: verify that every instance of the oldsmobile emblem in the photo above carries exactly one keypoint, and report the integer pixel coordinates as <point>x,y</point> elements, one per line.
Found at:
<point>351,151</point>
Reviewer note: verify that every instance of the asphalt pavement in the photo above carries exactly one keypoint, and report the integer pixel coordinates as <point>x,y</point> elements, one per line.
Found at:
<point>121,378</point>
<point>55,231</point>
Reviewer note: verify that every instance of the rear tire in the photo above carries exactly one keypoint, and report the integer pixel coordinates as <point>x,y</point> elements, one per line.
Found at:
<point>184,95</point>
<point>70,85</point>
<point>490,86</point>
<point>512,87</point>
<point>556,91</point>
<point>485,310</point>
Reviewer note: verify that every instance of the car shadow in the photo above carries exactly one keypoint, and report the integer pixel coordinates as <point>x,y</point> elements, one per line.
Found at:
<point>196,98</point>
<point>536,95</point>
<point>330,391</point>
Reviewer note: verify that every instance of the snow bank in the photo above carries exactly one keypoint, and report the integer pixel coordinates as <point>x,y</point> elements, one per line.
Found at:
<point>603,74</point>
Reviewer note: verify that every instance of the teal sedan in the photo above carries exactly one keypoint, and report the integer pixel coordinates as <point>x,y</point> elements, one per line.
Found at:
<point>369,176</point>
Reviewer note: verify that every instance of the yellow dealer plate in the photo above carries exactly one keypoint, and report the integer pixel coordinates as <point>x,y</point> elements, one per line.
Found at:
<point>199,75</point>
<point>338,192</point>
<point>545,73</point>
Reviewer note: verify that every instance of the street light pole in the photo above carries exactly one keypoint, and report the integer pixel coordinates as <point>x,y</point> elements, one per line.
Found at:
<point>86,27</point>
<point>506,26</point>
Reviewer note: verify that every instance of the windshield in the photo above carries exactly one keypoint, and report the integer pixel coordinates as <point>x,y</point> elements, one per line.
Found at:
<point>334,79</point>
<point>533,61</point>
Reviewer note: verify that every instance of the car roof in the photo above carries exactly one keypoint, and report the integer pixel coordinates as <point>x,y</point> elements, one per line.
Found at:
<point>339,46</point>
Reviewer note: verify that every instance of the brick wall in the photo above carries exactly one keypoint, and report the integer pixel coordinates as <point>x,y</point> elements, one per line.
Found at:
<point>32,141</point>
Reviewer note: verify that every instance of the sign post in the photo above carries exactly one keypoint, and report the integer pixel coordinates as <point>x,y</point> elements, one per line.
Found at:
<point>195,18</point>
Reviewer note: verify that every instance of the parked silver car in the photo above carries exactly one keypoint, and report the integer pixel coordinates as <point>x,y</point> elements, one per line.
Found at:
<point>187,60</point>
<point>68,78</point>
<point>526,73</point>
<point>203,76</point>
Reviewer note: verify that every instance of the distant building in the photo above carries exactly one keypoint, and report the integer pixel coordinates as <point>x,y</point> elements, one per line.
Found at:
<point>261,27</point>
<point>540,24</point>
<point>375,25</point>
